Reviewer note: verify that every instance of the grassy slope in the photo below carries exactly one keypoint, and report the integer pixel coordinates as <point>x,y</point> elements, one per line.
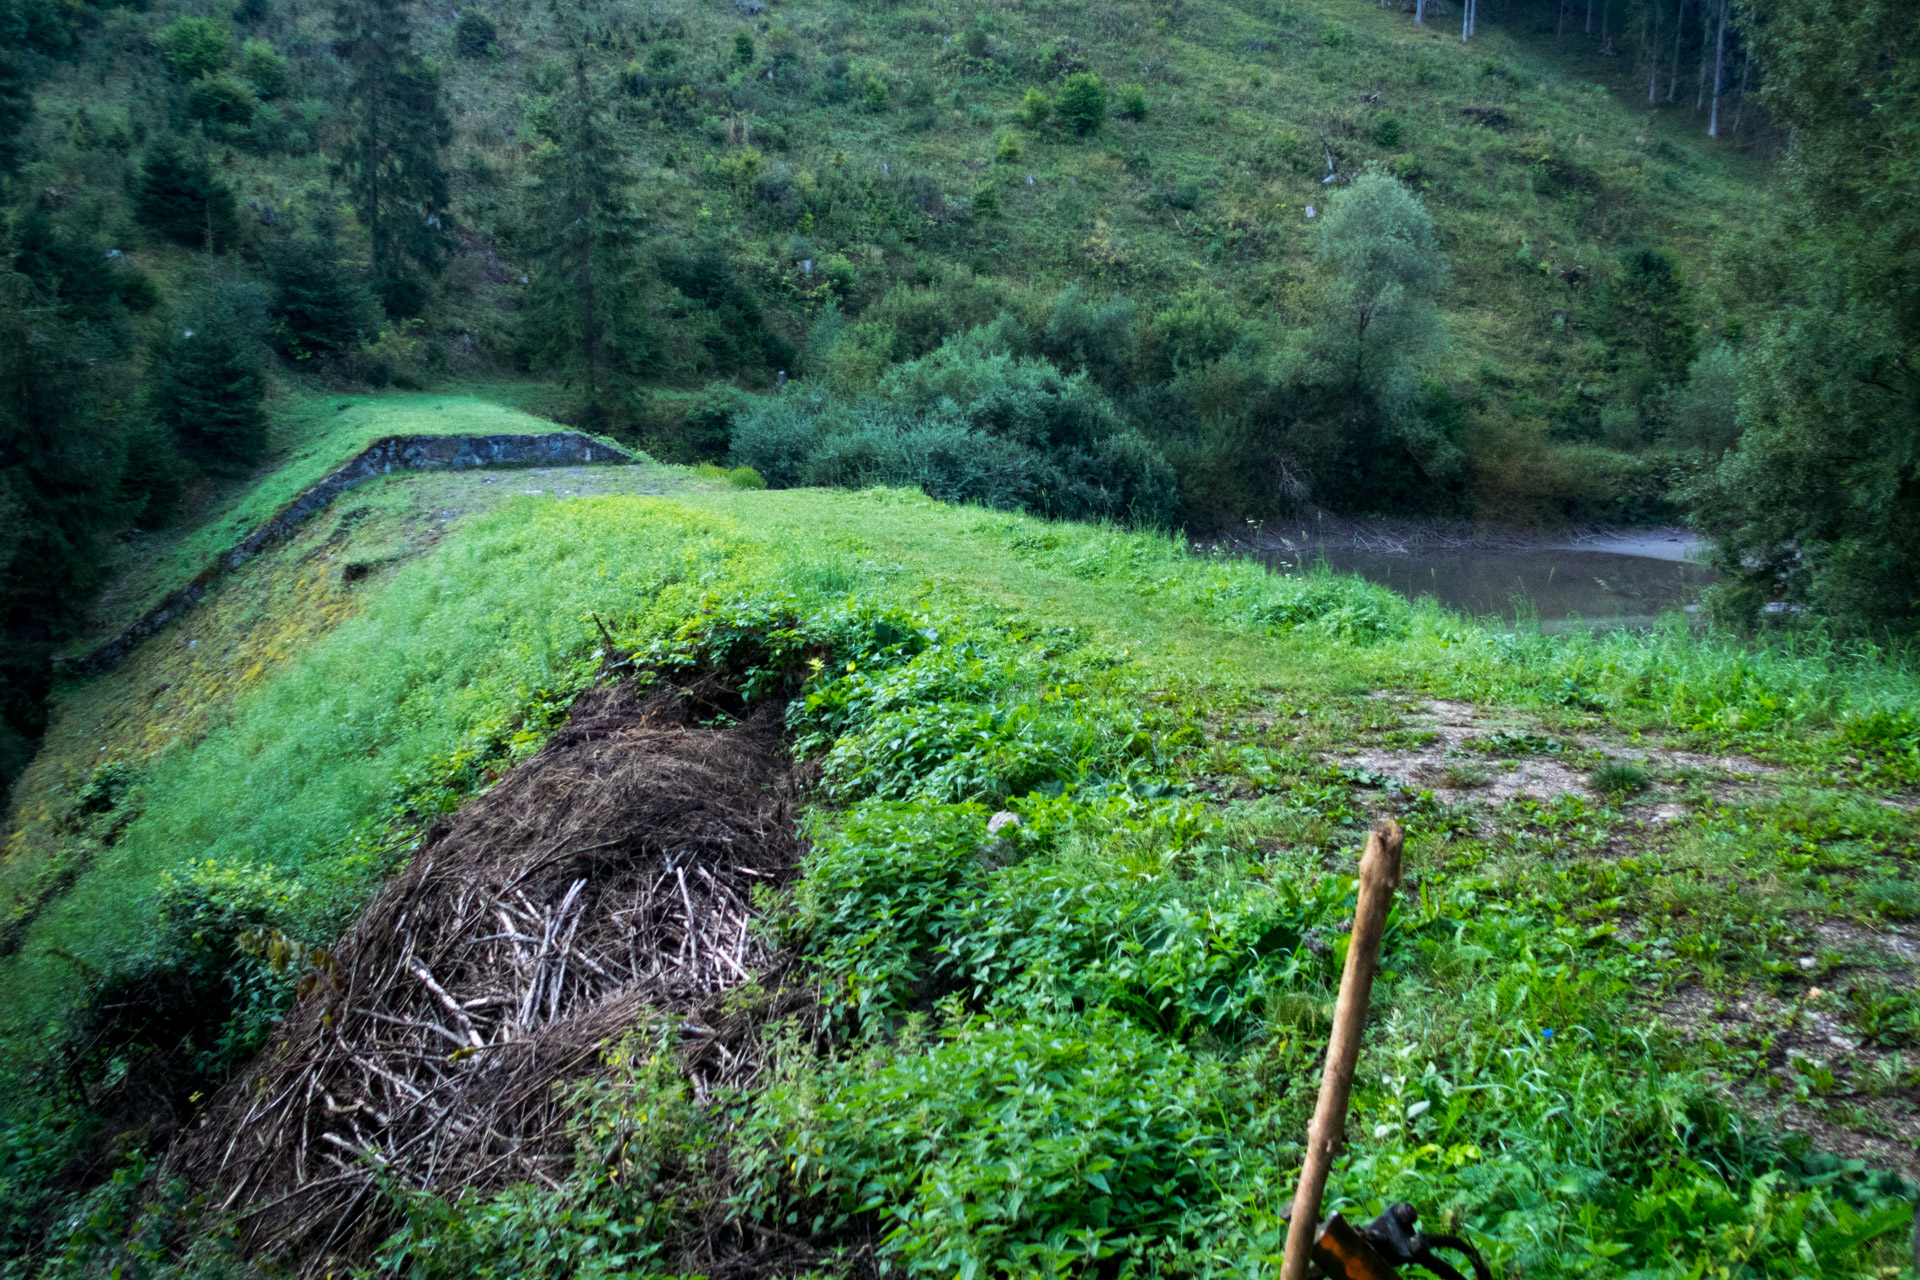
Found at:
<point>312,434</point>
<point>186,681</point>
<point>1708,886</point>
<point>1242,98</point>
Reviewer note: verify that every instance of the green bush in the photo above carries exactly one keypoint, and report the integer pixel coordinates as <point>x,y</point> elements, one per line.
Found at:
<point>222,100</point>
<point>965,424</point>
<point>707,424</point>
<point>475,36</point>
<point>1034,1148</point>
<point>196,47</point>
<point>1083,103</point>
<point>1703,414</point>
<point>1036,107</point>
<point>1133,102</point>
<point>737,477</point>
<point>265,69</point>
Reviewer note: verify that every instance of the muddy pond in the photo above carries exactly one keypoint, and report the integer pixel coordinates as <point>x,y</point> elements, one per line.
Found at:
<point>1593,580</point>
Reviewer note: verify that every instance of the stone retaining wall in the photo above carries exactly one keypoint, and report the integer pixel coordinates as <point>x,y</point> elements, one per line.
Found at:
<point>395,453</point>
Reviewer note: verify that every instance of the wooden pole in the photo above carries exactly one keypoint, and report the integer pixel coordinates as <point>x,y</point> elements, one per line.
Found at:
<point>1379,877</point>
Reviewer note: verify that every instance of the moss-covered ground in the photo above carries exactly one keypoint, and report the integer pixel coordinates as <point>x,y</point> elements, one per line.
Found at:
<point>1656,920</point>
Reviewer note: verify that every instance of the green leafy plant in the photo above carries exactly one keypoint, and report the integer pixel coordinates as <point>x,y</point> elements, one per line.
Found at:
<point>196,47</point>
<point>1083,103</point>
<point>1617,777</point>
<point>1036,108</point>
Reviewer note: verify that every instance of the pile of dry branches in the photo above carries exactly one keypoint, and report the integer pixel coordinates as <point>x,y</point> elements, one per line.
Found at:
<point>610,874</point>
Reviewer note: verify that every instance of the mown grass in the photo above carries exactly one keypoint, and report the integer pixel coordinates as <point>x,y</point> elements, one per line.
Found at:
<point>1098,1038</point>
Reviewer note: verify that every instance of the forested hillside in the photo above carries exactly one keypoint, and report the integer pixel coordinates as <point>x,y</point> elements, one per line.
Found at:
<point>1200,262</point>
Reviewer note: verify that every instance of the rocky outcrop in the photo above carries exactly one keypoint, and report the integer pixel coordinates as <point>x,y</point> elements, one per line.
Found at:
<point>395,453</point>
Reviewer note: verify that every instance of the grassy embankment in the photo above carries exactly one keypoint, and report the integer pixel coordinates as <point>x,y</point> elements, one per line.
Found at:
<point>179,684</point>
<point>312,434</point>
<point>1651,879</point>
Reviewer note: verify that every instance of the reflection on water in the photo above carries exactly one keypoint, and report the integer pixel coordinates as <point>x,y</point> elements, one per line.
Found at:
<point>1561,586</point>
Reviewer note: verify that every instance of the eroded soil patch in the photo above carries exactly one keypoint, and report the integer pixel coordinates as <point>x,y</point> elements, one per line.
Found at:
<point>1821,1078</point>
<point>1464,753</point>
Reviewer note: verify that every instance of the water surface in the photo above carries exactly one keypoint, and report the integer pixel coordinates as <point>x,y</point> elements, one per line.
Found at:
<point>1623,581</point>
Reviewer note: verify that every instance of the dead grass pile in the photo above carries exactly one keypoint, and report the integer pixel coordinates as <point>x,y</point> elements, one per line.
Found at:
<point>611,874</point>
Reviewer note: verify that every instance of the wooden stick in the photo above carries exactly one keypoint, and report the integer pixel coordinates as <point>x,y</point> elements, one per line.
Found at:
<point>1379,877</point>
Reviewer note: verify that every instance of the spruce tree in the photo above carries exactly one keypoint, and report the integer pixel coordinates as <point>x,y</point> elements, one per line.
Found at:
<point>207,385</point>
<point>319,307</point>
<point>584,240</point>
<point>180,198</point>
<point>392,157</point>
<point>60,475</point>
<point>16,108</point>
<point>68,262</point>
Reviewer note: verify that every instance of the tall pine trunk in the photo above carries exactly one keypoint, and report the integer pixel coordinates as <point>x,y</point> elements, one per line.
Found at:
<point>1719,65</point>
<point>1652,20</point>
<point>372,219</point>
<point>1706,31</point>
<point>1679,34</point>
<point>1740,107</point>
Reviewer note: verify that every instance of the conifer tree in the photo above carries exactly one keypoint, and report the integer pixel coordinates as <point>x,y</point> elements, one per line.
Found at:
<point>16,108</point>
<point>60,474</point>
<point>319,307</point>
<point>68,263</point>
<point>392,157</point>
<point>180,198</point>
<point>207,385</point>
<point>584,238</point>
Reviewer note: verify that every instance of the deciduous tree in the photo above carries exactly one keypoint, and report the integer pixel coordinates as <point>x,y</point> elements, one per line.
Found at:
<point>1820,502</point>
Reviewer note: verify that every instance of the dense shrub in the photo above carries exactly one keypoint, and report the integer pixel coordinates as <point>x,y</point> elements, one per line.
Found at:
<point>265,69</point>
<point>967,423</point>
<point>1082,104</point>
<point>1049,1144</point>
<point>196,47</point>
<point>222,100</point>
<point>475,36</point>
